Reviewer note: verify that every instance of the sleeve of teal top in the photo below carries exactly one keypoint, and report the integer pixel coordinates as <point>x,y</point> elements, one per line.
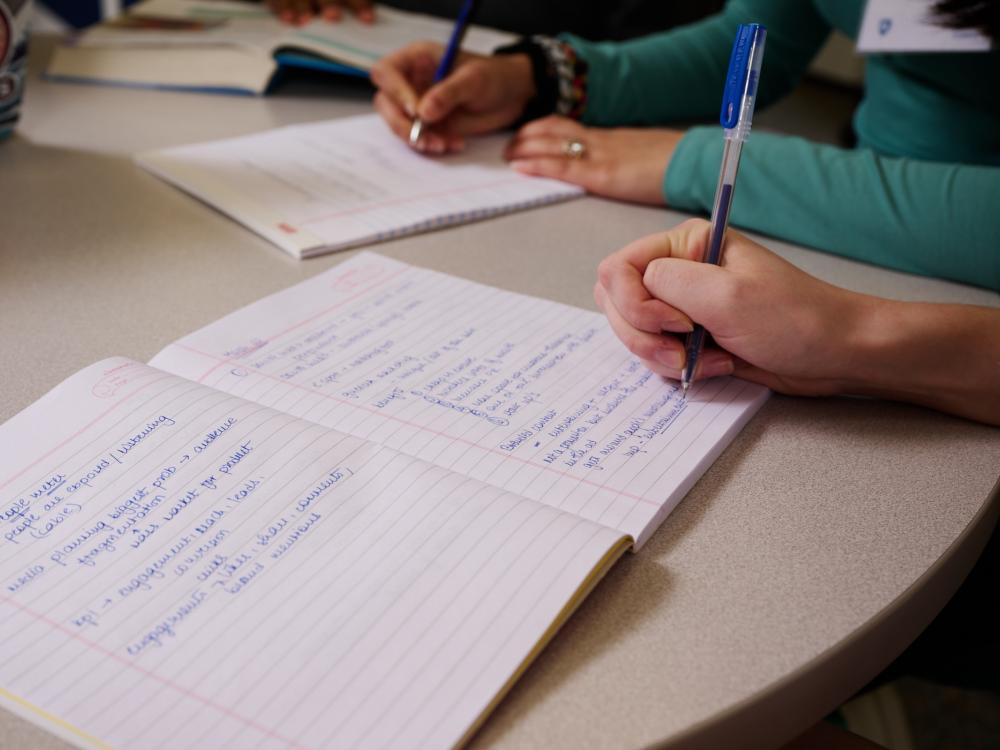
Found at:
<point>930,218</point>
<point>679,74</point>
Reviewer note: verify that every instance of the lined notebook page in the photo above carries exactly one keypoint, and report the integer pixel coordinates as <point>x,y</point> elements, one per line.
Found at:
<point>326,186</point>
<point>182,568</point>
<point>526,394</point>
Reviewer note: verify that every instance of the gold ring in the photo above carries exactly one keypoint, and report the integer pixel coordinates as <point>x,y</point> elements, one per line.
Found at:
<point>574,148</point>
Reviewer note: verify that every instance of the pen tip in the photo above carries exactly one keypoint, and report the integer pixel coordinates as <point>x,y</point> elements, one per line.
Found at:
<point>685,385</point>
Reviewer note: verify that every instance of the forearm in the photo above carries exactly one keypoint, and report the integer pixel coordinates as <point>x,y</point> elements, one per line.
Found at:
<point>678,75</point>
<point>928,218</point>
<point>943,356</point>
<point>660,79</point>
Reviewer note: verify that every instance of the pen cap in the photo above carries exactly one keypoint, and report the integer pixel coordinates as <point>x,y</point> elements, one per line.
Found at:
<point>740,93</point>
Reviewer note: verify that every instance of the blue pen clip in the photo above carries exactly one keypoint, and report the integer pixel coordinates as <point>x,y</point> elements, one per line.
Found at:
<point>741,80</point>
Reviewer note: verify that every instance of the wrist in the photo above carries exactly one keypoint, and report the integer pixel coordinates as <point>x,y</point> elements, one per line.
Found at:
<point>889,352</point>
<point>558,77</point>
<point>849,328</point>
<point>518,77</point>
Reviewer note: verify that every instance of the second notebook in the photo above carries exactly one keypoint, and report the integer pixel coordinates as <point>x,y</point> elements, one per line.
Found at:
<point>315,188</point>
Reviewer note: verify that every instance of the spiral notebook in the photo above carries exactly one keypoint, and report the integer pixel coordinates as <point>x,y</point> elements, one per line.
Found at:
<point>315,188</point>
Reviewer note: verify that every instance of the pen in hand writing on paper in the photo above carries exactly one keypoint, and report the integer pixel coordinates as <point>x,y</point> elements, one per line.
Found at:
<point>738,99</point>
<point>444,67</point>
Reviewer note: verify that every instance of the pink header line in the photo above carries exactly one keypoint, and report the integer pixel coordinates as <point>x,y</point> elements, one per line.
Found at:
<point>58,626</point>
<point>274,336</point>
<point>79,432</point>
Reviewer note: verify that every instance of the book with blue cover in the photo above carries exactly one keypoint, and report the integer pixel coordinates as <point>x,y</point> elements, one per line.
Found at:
<point>238,47</point>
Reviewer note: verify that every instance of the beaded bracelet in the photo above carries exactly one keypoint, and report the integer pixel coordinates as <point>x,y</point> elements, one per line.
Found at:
<point>560,77</point>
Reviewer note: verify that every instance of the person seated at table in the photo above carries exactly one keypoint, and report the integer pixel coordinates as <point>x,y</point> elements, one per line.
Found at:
<point>594,20</point>
<point>775,325</point>
<point>917,194</point>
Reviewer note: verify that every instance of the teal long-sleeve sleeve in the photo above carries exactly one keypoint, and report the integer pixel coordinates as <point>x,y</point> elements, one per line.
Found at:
<point>678,74</point>
<point>929,218</point>
<point>934,217</point>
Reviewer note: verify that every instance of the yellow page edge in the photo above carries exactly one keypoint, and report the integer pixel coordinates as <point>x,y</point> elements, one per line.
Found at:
<point>62,729</point>
<point>588,585</point>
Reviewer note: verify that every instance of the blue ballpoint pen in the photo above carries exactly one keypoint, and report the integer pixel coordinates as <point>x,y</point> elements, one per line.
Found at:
<point>737,112</point>
<point>465,16</point>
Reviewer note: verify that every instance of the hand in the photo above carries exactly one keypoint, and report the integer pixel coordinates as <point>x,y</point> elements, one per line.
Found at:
<point>623,163</point>
<point>772,323</point>
<point>482,94</point>
<point>776,325</point>
<point>298,12</point>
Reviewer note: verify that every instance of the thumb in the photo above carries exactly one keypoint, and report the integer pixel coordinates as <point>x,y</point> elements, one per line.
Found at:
<point>455,91</point>
<point>703,291</point>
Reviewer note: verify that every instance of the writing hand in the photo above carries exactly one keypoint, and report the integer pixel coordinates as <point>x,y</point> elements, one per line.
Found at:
<point>298,12</point>
<point>623,163</point>
<point>772,323</point>
<point>481,95</point>
<point>776,325</point>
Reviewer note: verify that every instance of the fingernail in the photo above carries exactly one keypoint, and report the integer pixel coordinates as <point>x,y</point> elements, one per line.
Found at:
<point>411,109</point>
<point>670,358</point>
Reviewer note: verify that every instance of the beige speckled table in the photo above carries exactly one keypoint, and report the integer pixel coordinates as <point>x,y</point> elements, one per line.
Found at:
<point>822,541</point>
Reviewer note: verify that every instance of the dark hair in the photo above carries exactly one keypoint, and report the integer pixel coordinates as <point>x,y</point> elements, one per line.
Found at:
<point>983,15</point>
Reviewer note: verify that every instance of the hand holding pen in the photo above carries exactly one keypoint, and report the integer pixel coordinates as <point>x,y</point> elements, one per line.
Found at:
<point>482,94</point>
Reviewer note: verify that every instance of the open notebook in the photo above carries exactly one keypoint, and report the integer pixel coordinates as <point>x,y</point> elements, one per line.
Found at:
<point>327,186</point>
<point>223,45</point>
<point>348,515</point>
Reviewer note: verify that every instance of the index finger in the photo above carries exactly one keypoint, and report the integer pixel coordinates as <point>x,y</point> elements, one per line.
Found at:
<point>622,272</point>
<point>552,125</point>
<point>399,74</point>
